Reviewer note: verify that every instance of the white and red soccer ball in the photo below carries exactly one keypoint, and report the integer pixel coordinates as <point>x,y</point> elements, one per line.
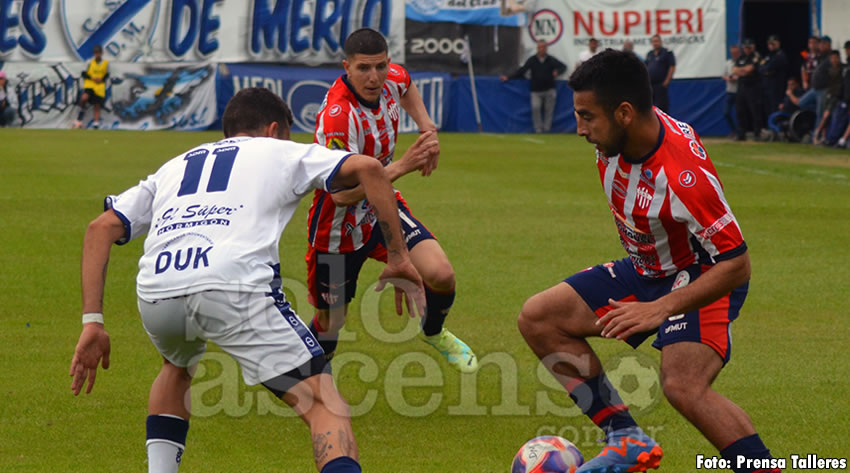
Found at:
<point>547,454</point>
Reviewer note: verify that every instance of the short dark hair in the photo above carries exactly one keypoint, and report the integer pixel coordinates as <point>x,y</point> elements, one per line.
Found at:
<point>365,41</point>
<point>615,77</point>
<point>97,48</point>
<point>253,109</point>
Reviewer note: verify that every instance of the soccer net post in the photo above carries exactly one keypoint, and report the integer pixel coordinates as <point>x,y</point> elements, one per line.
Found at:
<point>468,55</point>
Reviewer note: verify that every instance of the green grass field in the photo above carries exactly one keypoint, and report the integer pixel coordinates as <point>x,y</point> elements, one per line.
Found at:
<point>515,214</point>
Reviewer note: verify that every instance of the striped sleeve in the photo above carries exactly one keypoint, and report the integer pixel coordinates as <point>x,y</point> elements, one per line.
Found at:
<point>400,78</point>
<point>336,128</point>
<point>696,197</point>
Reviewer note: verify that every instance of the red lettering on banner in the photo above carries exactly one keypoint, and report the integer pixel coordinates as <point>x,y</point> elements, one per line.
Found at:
<point>614,29</point>
<point>588,25</point>
<point>630,18</point>
<point>660,22</point>
<point>683,17</point>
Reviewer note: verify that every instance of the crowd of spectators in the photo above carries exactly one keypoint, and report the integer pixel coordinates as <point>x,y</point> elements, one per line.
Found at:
<point>773,102</point>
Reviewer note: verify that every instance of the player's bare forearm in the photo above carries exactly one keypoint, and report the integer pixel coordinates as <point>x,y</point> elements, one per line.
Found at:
<point>356,194</point>
<point>100,235</point>
<point>715,283</point>
<point>413,104</point>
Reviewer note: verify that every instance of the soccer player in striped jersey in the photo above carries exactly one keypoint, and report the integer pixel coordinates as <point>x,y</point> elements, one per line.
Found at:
<point>360,114</point>
<point>211,271</point>
<point>685,277</point>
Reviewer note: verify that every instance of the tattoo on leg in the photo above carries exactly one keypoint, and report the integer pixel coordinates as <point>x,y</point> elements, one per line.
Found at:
<point>321,447</point>
<point>346,444</point>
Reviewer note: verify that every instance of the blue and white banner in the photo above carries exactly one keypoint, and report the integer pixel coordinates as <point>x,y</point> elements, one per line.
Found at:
<point>304,89</point>
<point>474,12</point>
<point>296,31</point>
<point>138,96</point>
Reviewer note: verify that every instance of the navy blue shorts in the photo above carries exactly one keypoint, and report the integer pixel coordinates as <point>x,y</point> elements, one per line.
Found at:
<point>618,280</point>
<point>332,277</point>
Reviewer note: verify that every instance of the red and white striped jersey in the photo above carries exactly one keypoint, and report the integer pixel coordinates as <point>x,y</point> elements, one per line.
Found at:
<point>346,123</point>
<point>669,208</point>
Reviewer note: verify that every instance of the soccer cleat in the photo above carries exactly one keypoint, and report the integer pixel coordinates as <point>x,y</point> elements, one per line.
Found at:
<point>628,450</point>
<point>77,125</point>
<point>456,352</point>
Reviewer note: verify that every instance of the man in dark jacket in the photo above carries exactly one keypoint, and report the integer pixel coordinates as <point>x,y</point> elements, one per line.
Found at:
<point>774,73</point>
<point>544,69</point>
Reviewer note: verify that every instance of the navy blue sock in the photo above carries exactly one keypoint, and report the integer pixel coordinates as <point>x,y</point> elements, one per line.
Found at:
<point>327,342</point>
<point>81,114</point>
<point>748,447</point>
<point>599,401</point>
<point>342,465</point>
<point>437,307</point>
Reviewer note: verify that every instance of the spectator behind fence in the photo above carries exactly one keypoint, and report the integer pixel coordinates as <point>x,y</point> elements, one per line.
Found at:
<point>845,94</point>
<point>544,69</point>
<point>7,113</point>
<point>731,88</point>
<point>831,99</point>
<point>774,72</point>
<point>94,87</point>
<point>748,103</point>
<point>661,64</point>
<point>629,47</point>
<point>778,121</point>
<point>592,50</point>
<point>810,61</point>
<point>814,98</point>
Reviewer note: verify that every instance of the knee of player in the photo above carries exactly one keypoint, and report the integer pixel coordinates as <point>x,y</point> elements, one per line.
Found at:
<point>442,279</point>
<point>531,318</point>
<point>682,391</point>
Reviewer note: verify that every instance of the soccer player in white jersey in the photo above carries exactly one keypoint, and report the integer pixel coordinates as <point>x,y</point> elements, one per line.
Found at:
<point>686,276</point>
<point>211,271</point>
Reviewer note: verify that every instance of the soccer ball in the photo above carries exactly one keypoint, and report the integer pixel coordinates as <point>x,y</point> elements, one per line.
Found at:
<point>547,454</point>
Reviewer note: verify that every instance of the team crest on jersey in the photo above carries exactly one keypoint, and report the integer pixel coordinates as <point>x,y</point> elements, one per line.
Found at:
<point>647,173</point>
<point>335,143</point>
<point>698,150</point>
<point>643,197</point>
<point>687,178</point>
<point>334,110</point>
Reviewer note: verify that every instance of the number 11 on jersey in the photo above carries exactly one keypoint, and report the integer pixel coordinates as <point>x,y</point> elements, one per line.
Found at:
<point>219,176</point>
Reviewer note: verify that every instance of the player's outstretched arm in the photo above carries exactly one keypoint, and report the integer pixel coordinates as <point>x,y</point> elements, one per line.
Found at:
<point>93,346</point>
<point>378,189</point>
<point>413,104</point>
<point>420,153</point>
<point>629,318</point>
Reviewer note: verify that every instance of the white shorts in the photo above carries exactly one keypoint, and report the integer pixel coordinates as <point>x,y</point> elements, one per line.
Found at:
<point>264,336</point>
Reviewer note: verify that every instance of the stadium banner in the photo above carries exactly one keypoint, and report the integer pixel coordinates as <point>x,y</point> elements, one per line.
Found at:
<point>294,31</point>
<point>304,89</point>
<point>695,31</point>
<point>440,46</point>
<point>470,12</point>
<point>138,96</point>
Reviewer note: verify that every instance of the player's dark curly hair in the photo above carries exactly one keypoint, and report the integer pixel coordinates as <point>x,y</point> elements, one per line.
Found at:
<point>253,109</point>
<point>365,41</point>
<point>615,77</point>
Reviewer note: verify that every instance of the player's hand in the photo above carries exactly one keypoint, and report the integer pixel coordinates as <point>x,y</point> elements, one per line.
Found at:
<point>629,318</point>
<point>92,347</point>
<point>434,147</point>
<point>420,152</point>
<point>408,286</point>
